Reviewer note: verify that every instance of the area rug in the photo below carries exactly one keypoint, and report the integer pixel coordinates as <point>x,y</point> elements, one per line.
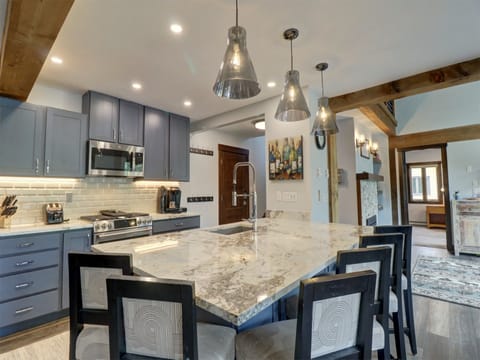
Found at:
<point>450,279</point>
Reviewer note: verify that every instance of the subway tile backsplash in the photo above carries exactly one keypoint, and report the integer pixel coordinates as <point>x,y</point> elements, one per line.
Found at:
<point>89,195</point>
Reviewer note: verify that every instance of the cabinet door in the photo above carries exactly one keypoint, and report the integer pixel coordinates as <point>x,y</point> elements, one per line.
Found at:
<point>131,123</point>
<point>156,144</point>
<point>179,148</point>
<point>22,133</point>
<point>65,143</point>
<point>77,240</point>
<point>103,116</point>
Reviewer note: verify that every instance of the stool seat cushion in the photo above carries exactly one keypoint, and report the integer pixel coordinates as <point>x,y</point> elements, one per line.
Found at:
<point>93,343</point>
<point>215,342</point>
<point>393,302</point>
<point>271,341</point>
<point>378,336</point>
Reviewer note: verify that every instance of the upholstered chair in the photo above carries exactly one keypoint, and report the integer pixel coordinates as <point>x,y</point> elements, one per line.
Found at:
<point>378,260</point>
<point>406,230</point>
<point>395,242</point>
<point>154,318</point>
<point>334,322</point>
<point>88,301</point>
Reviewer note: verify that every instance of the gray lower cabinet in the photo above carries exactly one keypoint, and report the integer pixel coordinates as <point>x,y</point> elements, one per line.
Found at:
<point>29,278</point>
<point>22,135</point>
<point>130,123</point>
<point>78,240</point>
<point>167,146</point>
<point>34,277</point>
<point>65,143</point>
<point>178,224</point>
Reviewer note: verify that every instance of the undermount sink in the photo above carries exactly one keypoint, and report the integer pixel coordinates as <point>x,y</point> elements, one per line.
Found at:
<point>231,230</point>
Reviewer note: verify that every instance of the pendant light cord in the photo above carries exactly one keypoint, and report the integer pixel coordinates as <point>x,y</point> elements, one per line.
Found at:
<point>236,13</point>
<point>291,54</point>
<point>321,73</point>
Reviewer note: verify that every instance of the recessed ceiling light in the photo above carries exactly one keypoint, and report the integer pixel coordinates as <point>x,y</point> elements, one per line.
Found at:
<point>187,103</point>
<point>176,28</point>
<point>136,86</point>
<point>56,60</point>
<point>260,124</point>
<point>271,84</point>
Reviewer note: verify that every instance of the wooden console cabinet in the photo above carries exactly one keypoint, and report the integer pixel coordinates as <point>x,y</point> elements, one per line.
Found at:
<point>436,216</point>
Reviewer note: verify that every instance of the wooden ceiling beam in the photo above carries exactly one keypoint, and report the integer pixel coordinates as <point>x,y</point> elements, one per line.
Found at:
<point>31,27</point>
<point>381,116</point>
<point>435,137</point>
<point>455,74</point>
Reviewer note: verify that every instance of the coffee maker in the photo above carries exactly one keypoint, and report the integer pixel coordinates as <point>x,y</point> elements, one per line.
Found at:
<point>169,200</point>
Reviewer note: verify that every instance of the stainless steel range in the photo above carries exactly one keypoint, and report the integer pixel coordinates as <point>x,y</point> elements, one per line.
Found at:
<point>112,225</point>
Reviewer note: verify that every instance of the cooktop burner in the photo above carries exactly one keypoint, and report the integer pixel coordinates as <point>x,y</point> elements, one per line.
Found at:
<point>113,214</point>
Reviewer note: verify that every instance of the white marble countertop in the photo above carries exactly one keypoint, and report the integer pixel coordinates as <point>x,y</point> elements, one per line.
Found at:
<point>37,228</point>
<point>168,216</point>
<point>237,276</point>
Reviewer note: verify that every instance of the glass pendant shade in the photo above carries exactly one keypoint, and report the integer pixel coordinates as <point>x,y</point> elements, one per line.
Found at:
<point>236,78</point>
<point>292,105</point>
<point>324,119</point>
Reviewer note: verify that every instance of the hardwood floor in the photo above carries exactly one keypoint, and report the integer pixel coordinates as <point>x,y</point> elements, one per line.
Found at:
<point>445,331</point>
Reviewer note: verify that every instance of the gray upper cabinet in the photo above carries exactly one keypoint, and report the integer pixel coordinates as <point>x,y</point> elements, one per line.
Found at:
<point>167,146</point>
<point>65,143</point>
<point>179,147</point>
<point>22,134</point>
<point>131,123</point>
<point>156,144</point>
<point>103,116</point>
<point>112,119</point>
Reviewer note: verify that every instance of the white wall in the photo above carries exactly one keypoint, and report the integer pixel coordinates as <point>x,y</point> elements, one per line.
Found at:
<point>417,212</point>
<point>61,98</point>
<point>464,168</point>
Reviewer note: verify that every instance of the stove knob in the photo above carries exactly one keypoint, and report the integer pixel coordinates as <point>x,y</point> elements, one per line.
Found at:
<point>141,222</point>
<point>97,227</point>
<point>104,226</point>
<point>110,226</point>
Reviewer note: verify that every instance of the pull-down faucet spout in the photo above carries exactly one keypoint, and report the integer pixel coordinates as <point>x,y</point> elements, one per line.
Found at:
<point>253,218</point>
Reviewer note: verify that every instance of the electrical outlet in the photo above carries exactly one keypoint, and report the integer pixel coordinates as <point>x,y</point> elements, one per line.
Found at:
<point>289,196</point>
<point>279,196</point>
<point>68,197</point>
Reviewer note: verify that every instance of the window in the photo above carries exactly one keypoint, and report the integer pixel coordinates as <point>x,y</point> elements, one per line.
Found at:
<point>425,182</point>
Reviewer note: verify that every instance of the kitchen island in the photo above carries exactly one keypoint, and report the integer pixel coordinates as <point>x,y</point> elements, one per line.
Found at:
<point>239,275</point>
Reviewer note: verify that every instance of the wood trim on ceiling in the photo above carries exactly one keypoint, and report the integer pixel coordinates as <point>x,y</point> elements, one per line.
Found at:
<point>456,74</point>
<point>435,137</point>
<point>381,117</point>
<point>31,28</point>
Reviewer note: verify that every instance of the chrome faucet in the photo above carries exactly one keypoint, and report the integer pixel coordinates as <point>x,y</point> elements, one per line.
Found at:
<point>253,218</point>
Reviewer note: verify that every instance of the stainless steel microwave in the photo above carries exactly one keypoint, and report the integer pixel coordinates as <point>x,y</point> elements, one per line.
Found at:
<point>111,159</point>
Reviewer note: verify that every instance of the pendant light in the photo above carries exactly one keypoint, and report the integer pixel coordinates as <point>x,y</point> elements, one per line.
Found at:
<point>236,78</point>
<point>292,106</point>
<point>324,123</point>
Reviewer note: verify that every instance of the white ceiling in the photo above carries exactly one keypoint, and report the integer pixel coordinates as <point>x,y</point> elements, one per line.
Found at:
<point>108,44</point>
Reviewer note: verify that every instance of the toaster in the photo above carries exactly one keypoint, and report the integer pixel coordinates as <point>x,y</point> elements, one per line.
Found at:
<point>54,213</point>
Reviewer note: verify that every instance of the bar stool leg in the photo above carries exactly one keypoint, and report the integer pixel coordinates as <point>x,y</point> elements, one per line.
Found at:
<point>407,293</point>
<point>397,318</point>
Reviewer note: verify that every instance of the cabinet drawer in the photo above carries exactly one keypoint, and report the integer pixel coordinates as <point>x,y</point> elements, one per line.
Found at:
<point>24,284</point>
<point>28,308</point>
<point>27,262</point>
<point>27,243</point>
<point>183,223</point>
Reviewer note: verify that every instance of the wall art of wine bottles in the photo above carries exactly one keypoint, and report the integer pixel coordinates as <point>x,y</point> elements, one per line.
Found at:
<point>285,158</point>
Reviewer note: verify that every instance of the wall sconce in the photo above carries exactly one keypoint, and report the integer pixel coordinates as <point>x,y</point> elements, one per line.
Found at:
<point>374,149</point>
<point>360,141</point>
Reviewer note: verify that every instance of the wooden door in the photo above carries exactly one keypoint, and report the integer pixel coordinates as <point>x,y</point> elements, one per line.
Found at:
<point>228,156</point>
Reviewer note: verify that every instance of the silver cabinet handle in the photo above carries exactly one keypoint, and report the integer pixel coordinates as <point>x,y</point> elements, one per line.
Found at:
<point>120,134</point>
<point>24,285</point>
<point>114,134</point>
<point>25,245</point>
<point>48,166</point>
<point>166,172</point>
<point>24,310</point>
<point>37,165</point>
<point>24,263</point>
<point>179,224</point>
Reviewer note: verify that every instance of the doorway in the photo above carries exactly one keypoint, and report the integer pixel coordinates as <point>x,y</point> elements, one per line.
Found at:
<point>228,156</point>
<point>424,194</point>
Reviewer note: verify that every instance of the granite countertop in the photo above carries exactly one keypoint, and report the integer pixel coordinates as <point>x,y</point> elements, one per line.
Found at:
<point>73,225</point>
<point>38,228</point>
<point>237,276</point>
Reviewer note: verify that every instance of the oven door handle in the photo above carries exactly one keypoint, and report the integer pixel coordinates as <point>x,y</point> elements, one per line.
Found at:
<point>122,234</point>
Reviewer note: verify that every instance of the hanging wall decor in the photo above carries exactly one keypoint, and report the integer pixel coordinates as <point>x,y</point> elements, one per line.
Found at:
<point>285,158</point>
